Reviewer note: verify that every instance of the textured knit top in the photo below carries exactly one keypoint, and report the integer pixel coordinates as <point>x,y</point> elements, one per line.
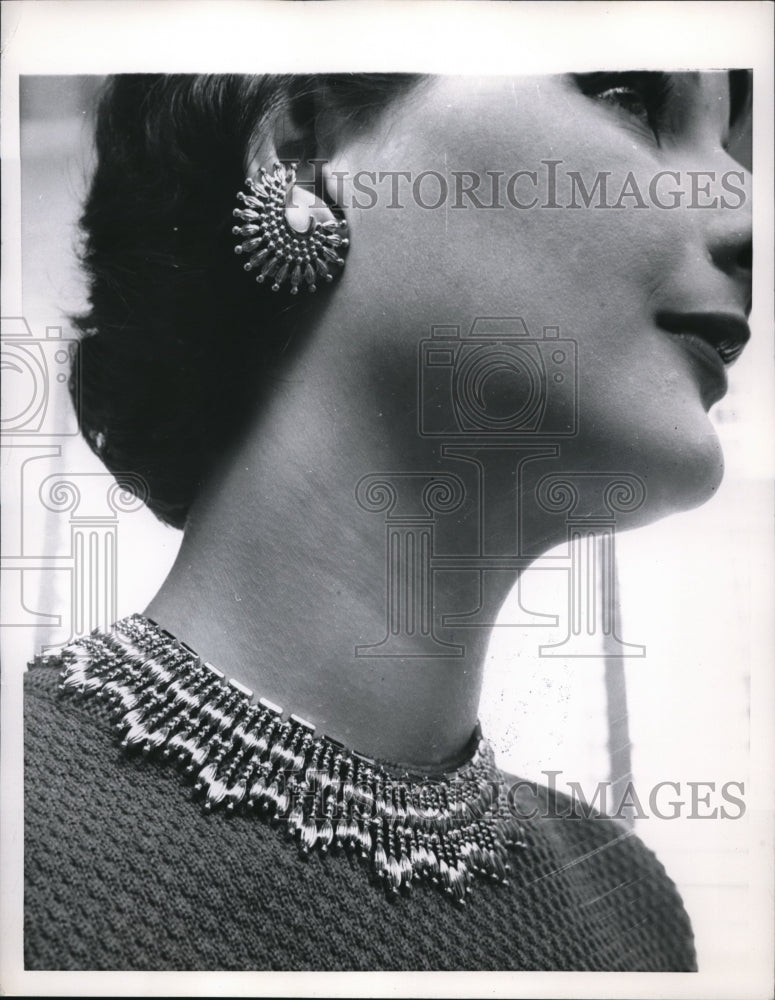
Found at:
<point>123,871</point>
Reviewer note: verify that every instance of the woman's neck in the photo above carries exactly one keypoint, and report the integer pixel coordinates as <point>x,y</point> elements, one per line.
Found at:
<point>298,616</point>
<point>306,572</point>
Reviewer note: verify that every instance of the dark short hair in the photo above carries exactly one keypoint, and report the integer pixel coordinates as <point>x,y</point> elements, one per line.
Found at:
<point>176,336</point>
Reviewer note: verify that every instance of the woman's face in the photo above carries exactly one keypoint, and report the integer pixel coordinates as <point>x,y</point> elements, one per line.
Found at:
<point>647,272</point>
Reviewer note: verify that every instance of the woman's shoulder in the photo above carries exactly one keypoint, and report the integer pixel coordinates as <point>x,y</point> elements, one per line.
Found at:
<point>575,843</point>
<point>112,834</point>
<point>572,822</point>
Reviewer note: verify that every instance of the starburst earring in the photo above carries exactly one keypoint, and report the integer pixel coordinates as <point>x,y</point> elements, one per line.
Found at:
<point>278,252</point>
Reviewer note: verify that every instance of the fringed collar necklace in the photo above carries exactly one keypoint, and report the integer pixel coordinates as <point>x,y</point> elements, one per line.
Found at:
<point>239,754</point>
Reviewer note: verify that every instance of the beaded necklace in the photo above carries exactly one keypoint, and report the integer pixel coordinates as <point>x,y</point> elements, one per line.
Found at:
<point>241,755</point>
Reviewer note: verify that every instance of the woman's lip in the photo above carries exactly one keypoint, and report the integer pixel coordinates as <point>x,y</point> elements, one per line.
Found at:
<point>708,362</point>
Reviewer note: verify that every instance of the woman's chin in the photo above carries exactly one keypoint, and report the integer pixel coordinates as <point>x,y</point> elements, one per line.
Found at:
<point>688,478</point>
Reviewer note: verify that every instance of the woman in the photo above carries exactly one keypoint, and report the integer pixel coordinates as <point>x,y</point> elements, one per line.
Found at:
<point>263,418</point>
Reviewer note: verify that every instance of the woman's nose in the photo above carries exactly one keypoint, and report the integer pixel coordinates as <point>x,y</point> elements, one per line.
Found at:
<point>728,236</point>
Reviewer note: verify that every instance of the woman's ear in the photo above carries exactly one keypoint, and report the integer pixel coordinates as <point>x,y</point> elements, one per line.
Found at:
<point>290,229</point>
<point>294,135</point>
<point>294,132</point>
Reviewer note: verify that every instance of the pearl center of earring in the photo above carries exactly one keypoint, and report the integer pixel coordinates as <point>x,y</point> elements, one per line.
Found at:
<point>302,209</point>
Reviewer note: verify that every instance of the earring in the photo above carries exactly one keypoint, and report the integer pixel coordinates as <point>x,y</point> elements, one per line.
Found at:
<point>278,251</point>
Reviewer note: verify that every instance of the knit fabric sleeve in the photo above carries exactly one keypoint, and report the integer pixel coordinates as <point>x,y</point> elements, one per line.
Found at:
<point>123,871</point>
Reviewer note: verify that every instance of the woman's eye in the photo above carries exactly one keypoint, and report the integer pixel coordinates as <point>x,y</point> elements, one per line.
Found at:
<point>642,96</point>
<point>628,98</point>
